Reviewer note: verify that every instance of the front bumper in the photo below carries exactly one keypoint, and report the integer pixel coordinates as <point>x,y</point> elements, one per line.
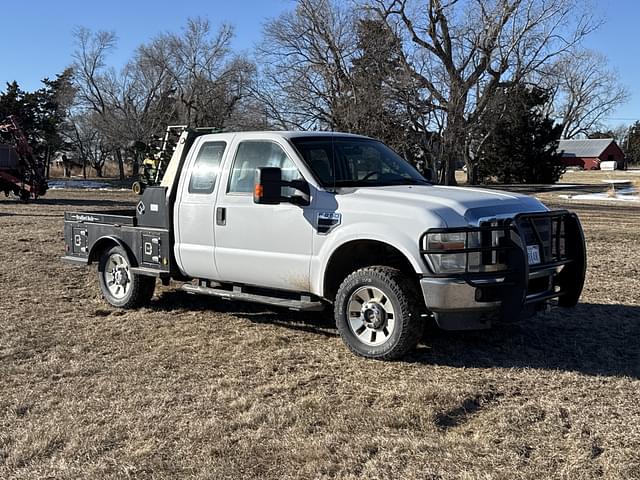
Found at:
<point>475,300</point>
<point>453,295</point>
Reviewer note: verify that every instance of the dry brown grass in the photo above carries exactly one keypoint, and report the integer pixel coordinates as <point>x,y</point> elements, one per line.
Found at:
<point>197,388</point>
<point>597,176</point>
<point>582,177</point>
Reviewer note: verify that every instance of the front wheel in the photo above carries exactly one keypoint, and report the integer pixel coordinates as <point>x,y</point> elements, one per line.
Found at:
<point>120,287</point>
<point>377,313</point>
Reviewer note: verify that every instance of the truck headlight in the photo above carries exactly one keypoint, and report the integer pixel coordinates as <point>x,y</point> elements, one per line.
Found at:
<point>454,244</point>
<point>472,251</point>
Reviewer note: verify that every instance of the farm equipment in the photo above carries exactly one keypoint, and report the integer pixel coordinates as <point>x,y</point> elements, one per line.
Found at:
<point>157,159</point>
<point>21,173</point>
<point>155,162</point>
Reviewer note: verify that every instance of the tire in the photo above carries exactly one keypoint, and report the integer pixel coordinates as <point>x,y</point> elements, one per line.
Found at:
<point>119,286</point>
<point>137,188</point>
<point>377,313</point>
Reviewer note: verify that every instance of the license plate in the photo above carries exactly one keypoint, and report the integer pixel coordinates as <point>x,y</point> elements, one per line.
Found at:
<point>533,253</point>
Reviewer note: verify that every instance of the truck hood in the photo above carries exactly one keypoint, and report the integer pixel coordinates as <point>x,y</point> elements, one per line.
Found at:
<point>457,206</point>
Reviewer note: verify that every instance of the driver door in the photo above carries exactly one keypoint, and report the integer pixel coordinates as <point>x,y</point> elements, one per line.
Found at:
<point>256,244</point>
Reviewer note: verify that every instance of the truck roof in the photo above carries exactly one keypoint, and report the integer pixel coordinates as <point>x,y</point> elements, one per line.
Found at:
<point>294,133</point>
<point>171,172</point>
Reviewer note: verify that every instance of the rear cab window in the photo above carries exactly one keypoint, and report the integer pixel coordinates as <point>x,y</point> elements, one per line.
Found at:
<point>206,168</point>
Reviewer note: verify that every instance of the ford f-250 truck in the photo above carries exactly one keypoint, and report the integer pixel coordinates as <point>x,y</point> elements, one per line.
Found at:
<point>305,220</point>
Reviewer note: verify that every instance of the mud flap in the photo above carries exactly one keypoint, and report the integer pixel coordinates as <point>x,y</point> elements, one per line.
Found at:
<point>571,278</point>
<point>516,281</point>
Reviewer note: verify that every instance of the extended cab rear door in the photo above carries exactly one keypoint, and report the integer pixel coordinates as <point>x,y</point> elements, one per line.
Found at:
<point>194,211</point>
<point>257,244</point>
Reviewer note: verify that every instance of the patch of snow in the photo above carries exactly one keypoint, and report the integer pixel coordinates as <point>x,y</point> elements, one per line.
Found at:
<point>624,195</point>
<point>80,184</point>
<point>616,182</point>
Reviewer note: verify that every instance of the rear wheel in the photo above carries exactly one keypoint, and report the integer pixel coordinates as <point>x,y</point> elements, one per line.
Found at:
<point>121,287</point>
<point>377,313</point>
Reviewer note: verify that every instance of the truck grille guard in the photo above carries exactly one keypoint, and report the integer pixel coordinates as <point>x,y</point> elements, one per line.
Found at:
<point>507,275</point>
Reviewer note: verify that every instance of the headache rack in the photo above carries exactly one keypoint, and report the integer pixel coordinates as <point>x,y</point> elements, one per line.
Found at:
<point>497,249</point>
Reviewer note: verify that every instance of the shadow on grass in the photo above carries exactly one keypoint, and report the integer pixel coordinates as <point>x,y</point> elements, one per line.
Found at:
<point>313,322</point>
<point>71,202</point>
<point>82,202</point>
<point>530,188</point>
<point>593,339</point>
<point>45,215</point>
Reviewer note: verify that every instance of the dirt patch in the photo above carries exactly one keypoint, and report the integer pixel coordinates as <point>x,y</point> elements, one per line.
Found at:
<point>201,388</point>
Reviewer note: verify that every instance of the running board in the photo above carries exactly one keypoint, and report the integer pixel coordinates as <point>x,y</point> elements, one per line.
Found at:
<point>305,304</point>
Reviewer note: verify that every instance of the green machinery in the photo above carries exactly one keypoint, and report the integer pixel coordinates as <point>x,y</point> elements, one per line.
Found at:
<point>156,159</point>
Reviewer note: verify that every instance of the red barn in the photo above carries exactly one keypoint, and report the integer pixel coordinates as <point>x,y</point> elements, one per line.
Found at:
<point>589,153</point>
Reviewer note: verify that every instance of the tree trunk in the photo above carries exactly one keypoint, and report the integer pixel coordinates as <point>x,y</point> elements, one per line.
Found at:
<point>455,133</point>
<point>120,163</point>
<point>449,156</point>
<point>135,168</point>
<point>471,162</point>
<point>84,168</point>
<point>47,165</point>
<point>472,173</point>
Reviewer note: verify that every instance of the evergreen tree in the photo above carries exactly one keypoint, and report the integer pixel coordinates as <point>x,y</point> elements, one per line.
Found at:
<point>632,144</point>
<point>374,105</point>
<point>40,113</point>
<point>519,142</point>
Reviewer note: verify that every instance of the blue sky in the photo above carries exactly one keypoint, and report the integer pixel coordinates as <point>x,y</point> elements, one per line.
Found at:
<point>37,34</point>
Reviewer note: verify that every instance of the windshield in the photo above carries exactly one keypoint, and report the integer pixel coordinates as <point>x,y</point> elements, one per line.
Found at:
<point>353,162</point>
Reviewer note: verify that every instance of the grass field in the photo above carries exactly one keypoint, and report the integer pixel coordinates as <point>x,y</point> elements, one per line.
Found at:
<point>582,177</point>
<point>195,387</point>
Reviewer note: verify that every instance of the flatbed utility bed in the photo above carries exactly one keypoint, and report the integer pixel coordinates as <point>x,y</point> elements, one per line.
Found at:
<point>108,217</point>
<point>143,232</point>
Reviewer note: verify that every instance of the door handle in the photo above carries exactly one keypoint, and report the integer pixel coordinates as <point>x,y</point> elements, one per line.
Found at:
<point>221,216</point>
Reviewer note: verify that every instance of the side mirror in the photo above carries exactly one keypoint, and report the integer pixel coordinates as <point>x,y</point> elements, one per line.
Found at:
<point>267,188</point>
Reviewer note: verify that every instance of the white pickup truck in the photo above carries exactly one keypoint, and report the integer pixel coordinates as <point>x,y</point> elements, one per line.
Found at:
<point>305,220</point>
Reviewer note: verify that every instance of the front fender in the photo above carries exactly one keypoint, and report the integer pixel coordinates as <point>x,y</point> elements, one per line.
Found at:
<point>402,241</point>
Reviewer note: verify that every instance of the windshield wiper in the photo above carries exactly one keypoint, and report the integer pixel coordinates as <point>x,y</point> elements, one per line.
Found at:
<point>408,181</point>
<point>378,183</point>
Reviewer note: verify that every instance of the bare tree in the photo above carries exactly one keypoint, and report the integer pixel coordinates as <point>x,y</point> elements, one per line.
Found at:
<point>89,67</point>
<point>95,83</point>
<point>207,80</point>
<point>463,52</point>
<point>128,105</point>
<point>90,146</point>
<point>586,91</point>
<point>190,78</point>
<point>306,56</point>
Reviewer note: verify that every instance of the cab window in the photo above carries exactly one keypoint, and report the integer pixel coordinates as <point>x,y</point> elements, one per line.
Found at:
<point>206,168</point>
<point>257,154</point>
